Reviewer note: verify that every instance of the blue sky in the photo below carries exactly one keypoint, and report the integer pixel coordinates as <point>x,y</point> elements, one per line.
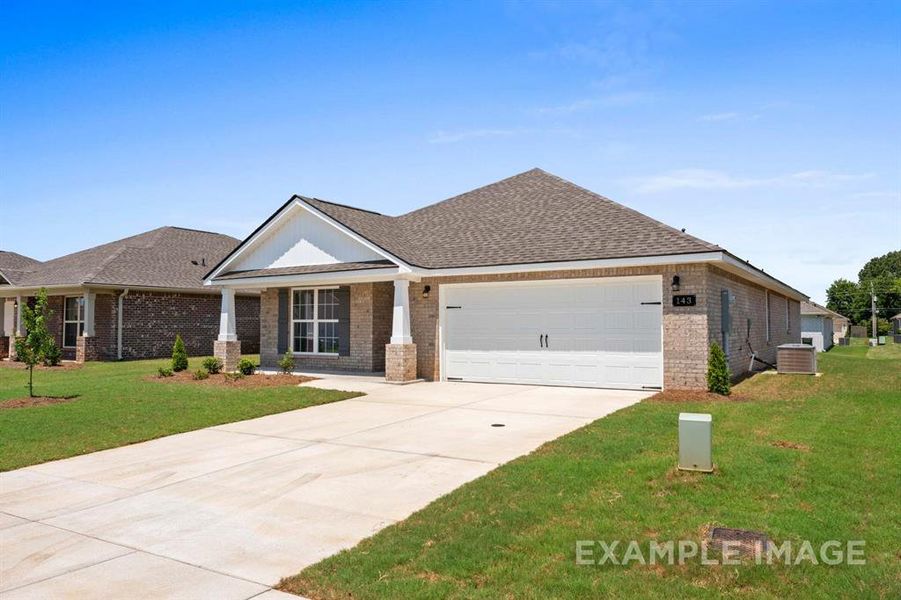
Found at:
<point>772,129</point>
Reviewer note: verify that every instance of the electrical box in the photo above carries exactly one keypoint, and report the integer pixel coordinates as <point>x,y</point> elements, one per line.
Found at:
<point>696,442</point>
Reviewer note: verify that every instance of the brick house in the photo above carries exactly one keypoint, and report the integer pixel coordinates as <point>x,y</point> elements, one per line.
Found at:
<point>531,279</point>
<point>127,299</point>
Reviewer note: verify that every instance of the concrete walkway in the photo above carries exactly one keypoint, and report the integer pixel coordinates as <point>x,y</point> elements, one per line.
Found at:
<point>226,512</point>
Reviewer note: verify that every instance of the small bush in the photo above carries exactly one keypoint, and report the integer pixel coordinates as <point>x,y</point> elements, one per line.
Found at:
<point>52,355</point>
<point>164,372</point>
<point>200,374</point>
<point>286,363</point>
<point>212,365</point>
<point>234,376</point>
<point>179,355</point>
<point>246,366</point>
<point>718,380</point>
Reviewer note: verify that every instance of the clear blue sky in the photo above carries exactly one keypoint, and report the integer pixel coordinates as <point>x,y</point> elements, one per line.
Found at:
<point>773,129</point>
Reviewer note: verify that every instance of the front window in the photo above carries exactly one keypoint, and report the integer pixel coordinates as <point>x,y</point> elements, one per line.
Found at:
<point>73,320</point>
<point>314,321</point>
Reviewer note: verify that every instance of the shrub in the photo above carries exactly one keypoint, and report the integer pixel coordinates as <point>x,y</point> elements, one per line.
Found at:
<point>718,380</point>
<point>164,372</point>
<point>286,363</point>
<point>179,355</point>
<point>234,376</point>
<point>52,354</point>
<point>200,374</point>
<point>212,365</point>
<point>246,366</point>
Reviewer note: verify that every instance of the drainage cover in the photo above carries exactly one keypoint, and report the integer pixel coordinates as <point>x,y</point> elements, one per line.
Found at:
<point>747,541</point>
<point>497,425</point>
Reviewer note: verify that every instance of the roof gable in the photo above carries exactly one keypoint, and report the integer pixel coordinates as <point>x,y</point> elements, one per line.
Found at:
<point>297,238</point>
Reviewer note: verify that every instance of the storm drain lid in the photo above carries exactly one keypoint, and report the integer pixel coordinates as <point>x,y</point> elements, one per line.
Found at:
<point>498,425</point>
<point>746,541</point>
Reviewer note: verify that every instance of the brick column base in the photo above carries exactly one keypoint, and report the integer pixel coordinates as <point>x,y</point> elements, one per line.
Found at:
<point>400,362</point>
<point>229,353</point>
<point>87,348</point>
<point>11,347</point>
<point>4,346</point>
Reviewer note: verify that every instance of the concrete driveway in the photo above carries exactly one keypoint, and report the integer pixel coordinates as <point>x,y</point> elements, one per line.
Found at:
<point>226,512</point>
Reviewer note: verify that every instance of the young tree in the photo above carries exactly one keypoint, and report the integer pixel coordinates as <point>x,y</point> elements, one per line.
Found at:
<point>38,344</point>
<point>718,379</point>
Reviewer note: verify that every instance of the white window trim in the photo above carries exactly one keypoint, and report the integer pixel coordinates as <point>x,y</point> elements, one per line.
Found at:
<point>79,328</point>
<point>315,321</point>
<point>766,313</point>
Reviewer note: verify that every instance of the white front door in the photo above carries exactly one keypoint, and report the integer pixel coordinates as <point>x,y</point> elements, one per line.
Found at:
<point>590,332</point>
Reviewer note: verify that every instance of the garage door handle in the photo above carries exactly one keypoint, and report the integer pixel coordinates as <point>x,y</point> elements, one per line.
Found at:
<point>546,343</point>
<point>540,342</point>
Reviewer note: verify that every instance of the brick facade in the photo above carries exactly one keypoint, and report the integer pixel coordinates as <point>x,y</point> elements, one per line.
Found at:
<point>371,306</point>
<point>151,321</point>
<point>687,331</point>
<point>400,363</point>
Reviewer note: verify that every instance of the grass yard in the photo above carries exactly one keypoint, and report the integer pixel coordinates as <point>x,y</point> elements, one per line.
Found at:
<point>801,458</point>
<point>117,404</point>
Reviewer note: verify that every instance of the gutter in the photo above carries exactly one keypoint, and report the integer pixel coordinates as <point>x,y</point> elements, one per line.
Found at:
<point>119,325</point>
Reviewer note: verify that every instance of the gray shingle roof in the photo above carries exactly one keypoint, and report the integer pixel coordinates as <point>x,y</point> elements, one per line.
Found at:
<point>812,308</point>
<point>161,258</point>
<point>309,269</point>
<point>14,266</point>
<point>532,217</point>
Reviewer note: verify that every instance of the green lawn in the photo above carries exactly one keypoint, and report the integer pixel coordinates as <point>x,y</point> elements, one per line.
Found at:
<point>116,405</point>
<point>800,458</point>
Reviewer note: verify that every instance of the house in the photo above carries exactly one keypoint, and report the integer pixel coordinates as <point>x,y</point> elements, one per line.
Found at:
<point>896,328</point>
<point>127,299</point>
<point>531,279</point>
<point>820,326</point>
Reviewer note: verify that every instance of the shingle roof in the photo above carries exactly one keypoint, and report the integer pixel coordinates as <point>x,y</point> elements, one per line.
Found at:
<point>160,258</point>
<point>14,266</point>
<point>532,217</point>
<point>310,269</point>
<point>812,308</point>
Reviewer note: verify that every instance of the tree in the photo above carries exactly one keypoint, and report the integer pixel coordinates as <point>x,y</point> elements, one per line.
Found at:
<point>887,265</point>
<point>847,299</point>
<point>38,344</point>
<point>882,275</point>
<point>179,355</point>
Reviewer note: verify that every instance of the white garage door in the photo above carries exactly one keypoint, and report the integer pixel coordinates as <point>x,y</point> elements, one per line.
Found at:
<point>591,333</point>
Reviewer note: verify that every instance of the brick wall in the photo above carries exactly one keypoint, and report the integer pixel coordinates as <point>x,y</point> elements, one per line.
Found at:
<point>367,336</point>
<point>750,304</point>
<point>151,320</point>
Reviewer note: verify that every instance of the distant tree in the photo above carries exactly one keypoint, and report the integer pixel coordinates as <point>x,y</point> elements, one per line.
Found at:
<point>887,265</point>
<point>883,275</point>
<point>846,298</point>
<point>38,344</point>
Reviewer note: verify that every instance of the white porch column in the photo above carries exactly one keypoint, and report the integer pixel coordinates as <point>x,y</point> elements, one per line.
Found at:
<point>20,323</point>
<point>90,298</point>
<point>400,325</point>
<point>228,331</point>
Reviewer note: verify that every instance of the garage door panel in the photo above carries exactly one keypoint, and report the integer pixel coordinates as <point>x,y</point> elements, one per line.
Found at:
<point>598,333</point>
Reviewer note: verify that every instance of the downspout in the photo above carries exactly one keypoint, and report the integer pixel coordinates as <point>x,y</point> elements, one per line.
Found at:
<point>119,325</point>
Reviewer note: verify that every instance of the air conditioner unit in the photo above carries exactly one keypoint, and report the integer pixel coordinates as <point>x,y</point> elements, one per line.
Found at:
<point>796,358</point>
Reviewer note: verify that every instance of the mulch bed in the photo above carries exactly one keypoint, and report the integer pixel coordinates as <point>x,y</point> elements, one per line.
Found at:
<point>696,396</point>
<point>63,366</point>
<point>256,380</point>
<point>36,401</point>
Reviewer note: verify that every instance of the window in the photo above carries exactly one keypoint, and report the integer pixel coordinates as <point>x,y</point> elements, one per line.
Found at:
<point>73,320</point>
<point>314,321</point>
<point>766,314</point>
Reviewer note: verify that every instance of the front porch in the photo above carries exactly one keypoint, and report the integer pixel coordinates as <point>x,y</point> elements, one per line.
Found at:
<point>71,322</point>
<point>351,324</point>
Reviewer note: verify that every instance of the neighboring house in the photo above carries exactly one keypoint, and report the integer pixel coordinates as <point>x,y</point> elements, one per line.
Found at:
<point>820,326</point>
<point>528,280</point>
<point>129,298</point>
<point>896,325</point>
